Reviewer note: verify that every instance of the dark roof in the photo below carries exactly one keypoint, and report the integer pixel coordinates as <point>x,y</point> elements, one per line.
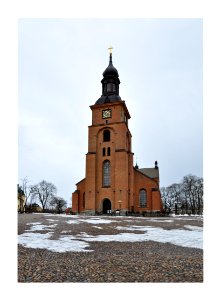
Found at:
<point>110,75</point>
<point>110,70</point>
<point>150,172</point>
<point>108,99</point>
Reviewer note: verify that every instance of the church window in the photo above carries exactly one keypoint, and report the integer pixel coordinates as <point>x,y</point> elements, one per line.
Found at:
<point>106,136</point>
<point>143,198</point>
<point>108,151</point>
<point>104,151</point>
<point>106,173</point>
<point>109,87</point>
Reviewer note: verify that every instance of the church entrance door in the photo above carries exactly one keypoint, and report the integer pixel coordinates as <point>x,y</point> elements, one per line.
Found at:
<point>106,206</point>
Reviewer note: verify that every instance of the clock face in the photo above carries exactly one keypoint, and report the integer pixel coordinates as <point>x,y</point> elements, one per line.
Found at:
<point>106,113</point>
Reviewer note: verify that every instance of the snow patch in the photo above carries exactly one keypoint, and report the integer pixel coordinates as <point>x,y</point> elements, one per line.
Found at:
<point>72,222</point>
<point>68,216</point>
<point>98,221</point>
<point>133,228</point>
<point>42,241</point>
<point>41,227</point>
<point>90,221</point>
<point>84,235</point>
<point>161,221</point>
<point>179,237</point>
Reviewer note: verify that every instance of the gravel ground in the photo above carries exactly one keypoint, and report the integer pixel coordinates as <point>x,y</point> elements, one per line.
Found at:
<point>146,261</point>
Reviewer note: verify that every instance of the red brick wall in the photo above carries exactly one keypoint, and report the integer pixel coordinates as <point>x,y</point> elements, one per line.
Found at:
<point>126,182</point>
<point>120,158</point>
<point>156,200</point>
<point>153,197</point>
<point>75,202</point>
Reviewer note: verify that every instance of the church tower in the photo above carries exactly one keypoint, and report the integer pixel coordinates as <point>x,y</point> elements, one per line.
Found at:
<point>110,181</point>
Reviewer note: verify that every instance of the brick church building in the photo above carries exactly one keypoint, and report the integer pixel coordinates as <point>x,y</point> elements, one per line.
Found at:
<point>111,182</point>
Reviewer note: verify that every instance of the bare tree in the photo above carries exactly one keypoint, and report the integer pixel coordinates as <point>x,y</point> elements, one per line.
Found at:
<point>199,195</point>
<point>190,191</point>
<point>185,197</point>
<point>43,192</point>
<point>167,200</point>
<point>58,203</point>
<point>27,189</point>
<point>175,194</point>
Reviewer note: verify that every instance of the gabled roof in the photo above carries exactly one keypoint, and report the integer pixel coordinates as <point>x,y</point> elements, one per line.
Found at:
<point>150,172</point>
<point>80,181</point>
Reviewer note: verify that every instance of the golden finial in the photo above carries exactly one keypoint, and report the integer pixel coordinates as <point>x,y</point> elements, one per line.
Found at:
<point>110,49</point>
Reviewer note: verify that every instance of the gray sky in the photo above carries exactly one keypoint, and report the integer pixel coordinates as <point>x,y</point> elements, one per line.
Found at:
<point>61,61</point>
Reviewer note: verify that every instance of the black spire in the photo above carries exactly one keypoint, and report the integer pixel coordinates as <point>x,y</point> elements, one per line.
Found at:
<point>110,84</point>
<point>110,70</point>
<point>136,167</point>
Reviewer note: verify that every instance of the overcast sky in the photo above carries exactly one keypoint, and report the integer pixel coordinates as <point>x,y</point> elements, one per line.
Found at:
<point>61,61</point>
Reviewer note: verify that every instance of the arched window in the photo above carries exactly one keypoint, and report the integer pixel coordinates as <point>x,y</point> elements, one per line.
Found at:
<point>143,198</point>
<point>106,173</point>
<point>106,135</point>
<point>108,151</point>
<point>104,151</point>
<point>109,87</point>
<point>83,200</point>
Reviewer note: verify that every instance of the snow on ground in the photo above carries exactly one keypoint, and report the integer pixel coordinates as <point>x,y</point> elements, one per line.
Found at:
<point>55,215</point>
<point>191,236</point>
<point>39,227</point>
<point>98,227</point>
<point>72,222</point>
<point>179,237</point>
<point>162,221</point>
<point>90,221</point>
<point>98,221</point>
<point>43,241</point>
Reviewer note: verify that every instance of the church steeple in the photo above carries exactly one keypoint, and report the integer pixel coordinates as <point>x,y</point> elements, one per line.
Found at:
<point>110,84</point>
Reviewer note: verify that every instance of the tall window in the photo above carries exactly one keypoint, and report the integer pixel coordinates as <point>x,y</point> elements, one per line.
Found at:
<point>108,151</point>
<point>106,173</point>
<point>104,151</point>
<point>106,135</point>
<point>109,87</point>
<point>143,198</point>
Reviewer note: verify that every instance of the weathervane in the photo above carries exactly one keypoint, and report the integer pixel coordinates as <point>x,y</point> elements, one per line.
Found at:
<point>110,49</point>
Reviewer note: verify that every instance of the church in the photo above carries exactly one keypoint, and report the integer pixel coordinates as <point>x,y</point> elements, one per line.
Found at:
<point>112,183</point>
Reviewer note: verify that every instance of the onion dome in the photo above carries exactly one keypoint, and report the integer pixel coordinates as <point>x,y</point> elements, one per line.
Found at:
<point>110,84</point>
<point>110,70</point>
